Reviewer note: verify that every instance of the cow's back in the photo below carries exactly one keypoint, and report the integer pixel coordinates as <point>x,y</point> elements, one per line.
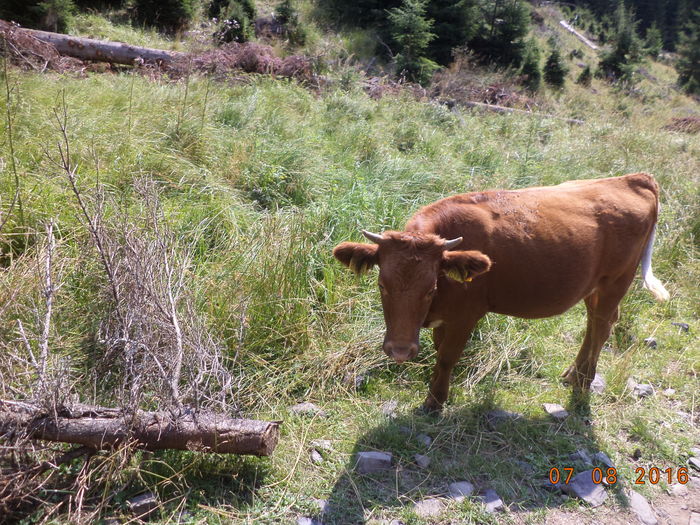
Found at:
<point>550,246</point>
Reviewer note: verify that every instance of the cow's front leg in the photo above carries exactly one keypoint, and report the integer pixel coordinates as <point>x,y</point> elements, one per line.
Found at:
<point>450,341</point>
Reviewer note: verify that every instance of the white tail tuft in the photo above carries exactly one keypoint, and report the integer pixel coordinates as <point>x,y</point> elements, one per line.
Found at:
<point>651,283</point>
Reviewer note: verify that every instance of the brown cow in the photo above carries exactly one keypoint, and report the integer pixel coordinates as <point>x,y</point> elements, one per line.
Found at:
<point>529,253</point>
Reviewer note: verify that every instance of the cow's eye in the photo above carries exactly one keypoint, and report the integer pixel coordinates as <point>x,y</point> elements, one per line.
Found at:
<point>381,287</point>
<point>432,292</point>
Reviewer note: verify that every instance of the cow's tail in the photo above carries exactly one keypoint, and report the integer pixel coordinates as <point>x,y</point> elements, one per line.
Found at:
<point>651,283</point>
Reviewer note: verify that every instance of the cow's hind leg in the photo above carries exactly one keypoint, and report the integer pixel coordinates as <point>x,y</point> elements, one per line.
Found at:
<point>450,341</point>
<point>603,310</point>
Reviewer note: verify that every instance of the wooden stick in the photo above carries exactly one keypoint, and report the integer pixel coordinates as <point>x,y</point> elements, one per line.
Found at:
<point>578,35</point>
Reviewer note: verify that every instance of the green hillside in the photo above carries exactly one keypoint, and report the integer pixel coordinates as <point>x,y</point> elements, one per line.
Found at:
<point>218,202</point>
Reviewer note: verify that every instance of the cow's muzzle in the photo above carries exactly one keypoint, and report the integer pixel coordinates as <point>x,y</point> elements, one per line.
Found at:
<point>400,352</point>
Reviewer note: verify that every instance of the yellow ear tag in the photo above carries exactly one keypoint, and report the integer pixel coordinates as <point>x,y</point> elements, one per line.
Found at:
<point>468,280</point>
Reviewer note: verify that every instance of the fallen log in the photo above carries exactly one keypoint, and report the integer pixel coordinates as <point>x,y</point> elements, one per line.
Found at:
<point>107,428</point>
<point>578,35</point>
<point>104,51</point>
<point>504,109</point>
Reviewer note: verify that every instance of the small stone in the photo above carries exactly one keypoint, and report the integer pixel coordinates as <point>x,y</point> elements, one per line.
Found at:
<point>422,461</point>
<point>695,451</point>
<point>369,462</point>
<point>695,463</point>
<point>494,418</point>
<point>316,457</point>
<point>651,342</point>
<point>684,327</point>
<point>582,486</point>
<point>396,522</point>
<point>424,439</point>
<point>322,504</point>
<point>322,444</point>
<point>640,506</point>
<point>637,454</point>
<point>644,390</point>
<point>556,411</point>
<point>598,384</point>
<point>389,408</point>
<point>460,490</point>
<point>602,457</point>
<point>308,521</point>
<point>581,455</point>
<point>678,489</point>
<point>143,505</point>
<point>429,508</point>
<point>491,501</point>
<point>525,467</point>
<point>694,518</point>
<point>669,392</point>
<point>307,409</point>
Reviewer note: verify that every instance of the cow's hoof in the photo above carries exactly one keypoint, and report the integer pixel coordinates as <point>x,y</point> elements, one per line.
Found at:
<point>431,406</point>
<point>577,380</point>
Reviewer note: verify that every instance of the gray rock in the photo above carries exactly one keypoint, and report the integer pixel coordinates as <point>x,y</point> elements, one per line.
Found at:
<point>602,457</point>
<point>307,409</point>
<point>143,505</point>
<point>389,408</point>
<point>695,451</point>
<point>316,457</point>
<point>651,342</point>
<point>491,501</point>
<point>694,518</point>
<point>556,411</point>
<point>396,522</point>
<point>424,439</point>
<point>422,461</point>
<point>525,467</point>
<point>581,455</point>
<point>669,392</point>
<point>429,508</point>
<point>369,462</point>
<point>494,418</point>
<point>460,490</point>
<point>322,444</point>
<point>598,384</point>
<point>695,463</point>
<point>308,521</point>
<point>582,487</point>
<point>641,390</point>
<point>322,505</point>
<point>640,506</point>
<point>678,489</point>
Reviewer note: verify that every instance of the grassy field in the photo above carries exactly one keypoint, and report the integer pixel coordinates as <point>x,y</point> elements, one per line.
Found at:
<point>257,182</point>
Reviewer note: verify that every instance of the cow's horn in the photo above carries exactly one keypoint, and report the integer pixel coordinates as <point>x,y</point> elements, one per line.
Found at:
<point>452,243</point>
<point>374,237</point>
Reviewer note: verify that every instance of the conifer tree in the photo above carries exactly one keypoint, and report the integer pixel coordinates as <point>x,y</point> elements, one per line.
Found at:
<point>531,71</point>
<point>585,77</point>
<point>555,70</point>
<point>626,53</point>
<point>411,31</point>
<point>455,24</point>
<point>689,50</point>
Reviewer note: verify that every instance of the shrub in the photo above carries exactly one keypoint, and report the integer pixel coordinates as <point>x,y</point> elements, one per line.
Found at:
<point>410,29</point>
<point>531,72</point>
<point>237,21</point>
<point>50,15</point>
<point>555,70</point>
<point>585,77</point>
<point>168,15</point>
<point>454,24</point>
<point>653,41</point>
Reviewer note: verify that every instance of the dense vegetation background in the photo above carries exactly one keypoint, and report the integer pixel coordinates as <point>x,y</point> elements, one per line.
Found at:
<point>217,201</point>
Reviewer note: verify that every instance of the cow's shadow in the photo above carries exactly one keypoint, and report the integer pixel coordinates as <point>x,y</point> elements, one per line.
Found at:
<point>479,442</point>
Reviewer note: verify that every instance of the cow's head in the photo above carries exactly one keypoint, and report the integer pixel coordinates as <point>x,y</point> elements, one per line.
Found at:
<point>410,264</point>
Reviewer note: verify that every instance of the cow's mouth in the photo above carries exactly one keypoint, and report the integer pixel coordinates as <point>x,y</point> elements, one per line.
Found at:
<point>401,352</point>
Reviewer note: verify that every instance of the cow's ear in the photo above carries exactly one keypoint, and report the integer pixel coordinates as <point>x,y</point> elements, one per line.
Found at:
<point>465,265</point>
<point>359,257</point>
